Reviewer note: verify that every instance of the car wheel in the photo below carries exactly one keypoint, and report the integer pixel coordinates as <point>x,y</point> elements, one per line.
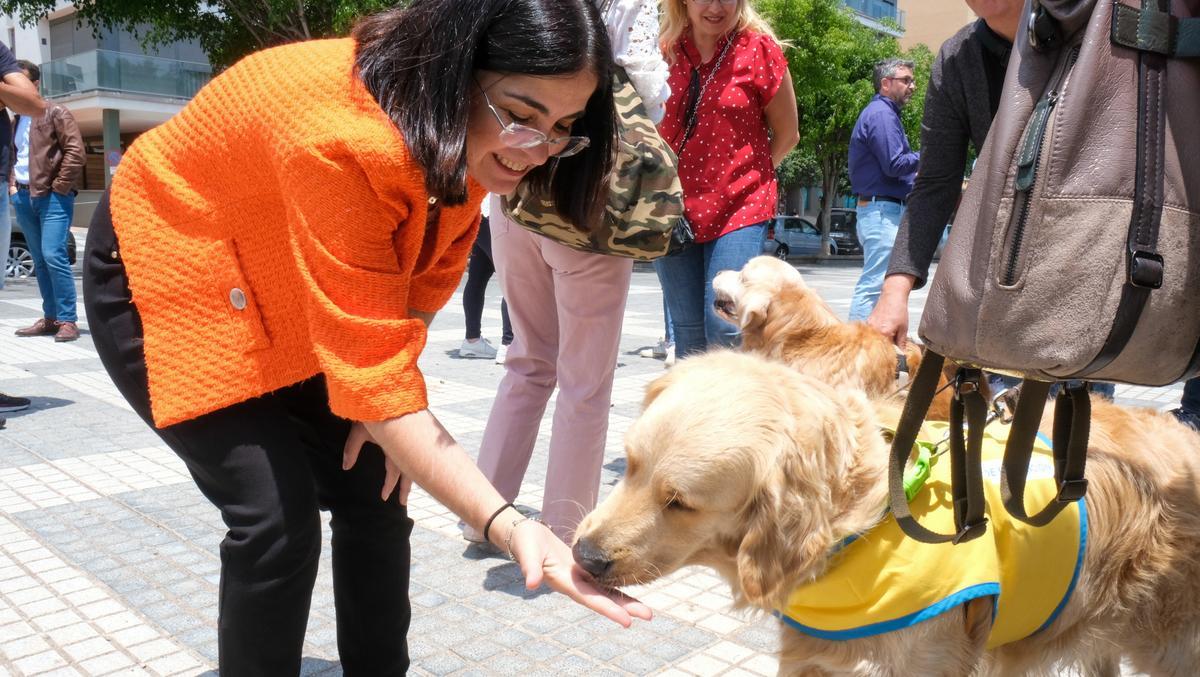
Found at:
<point>781,252</point>
<point>20,261</point>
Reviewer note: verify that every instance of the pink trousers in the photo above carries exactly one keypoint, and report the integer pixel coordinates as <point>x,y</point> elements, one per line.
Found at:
<point>566,308</point>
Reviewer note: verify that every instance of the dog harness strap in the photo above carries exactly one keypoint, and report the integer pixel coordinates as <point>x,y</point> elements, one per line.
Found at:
<point>1072,423</point>
<point>902,371</point>
<point>920,396</point>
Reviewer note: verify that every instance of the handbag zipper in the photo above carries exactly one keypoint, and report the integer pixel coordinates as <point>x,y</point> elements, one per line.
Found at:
<point>1029,161</point>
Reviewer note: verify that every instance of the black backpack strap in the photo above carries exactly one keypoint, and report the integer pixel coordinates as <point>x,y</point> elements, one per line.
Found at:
<point>1143,264</point>
<point>966,455</point>
<point>964,459</point>
<point>1072,423</point>
<point>916,405</point>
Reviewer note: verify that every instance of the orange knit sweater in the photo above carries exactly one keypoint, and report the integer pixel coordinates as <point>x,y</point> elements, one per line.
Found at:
<point>274,230</point>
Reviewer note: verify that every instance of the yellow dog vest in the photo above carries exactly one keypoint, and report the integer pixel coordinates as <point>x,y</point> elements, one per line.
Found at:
<point>883,581</point>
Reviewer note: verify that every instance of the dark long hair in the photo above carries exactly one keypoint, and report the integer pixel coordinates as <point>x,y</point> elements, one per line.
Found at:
<point>419,63</point>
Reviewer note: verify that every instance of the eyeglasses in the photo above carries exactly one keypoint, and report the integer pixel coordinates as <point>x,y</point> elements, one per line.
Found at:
<point>519,136</point>
<point>907,80</point>
<point>706,3</point>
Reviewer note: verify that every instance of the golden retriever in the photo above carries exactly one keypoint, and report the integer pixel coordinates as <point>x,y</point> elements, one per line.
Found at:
<point>758,471</point>
<point>782,317</point>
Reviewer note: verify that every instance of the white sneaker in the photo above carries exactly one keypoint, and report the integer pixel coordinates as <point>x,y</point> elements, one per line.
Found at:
<point>658,351</point>
<point>501,354</point>
<point>477,349</point>
<point>669,360</point>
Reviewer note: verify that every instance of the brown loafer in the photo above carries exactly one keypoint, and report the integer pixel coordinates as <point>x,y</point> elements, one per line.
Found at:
<point>43,327</point>
<point>67,331</point>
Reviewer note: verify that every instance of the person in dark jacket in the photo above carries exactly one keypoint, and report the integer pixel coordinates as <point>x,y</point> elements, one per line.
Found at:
<point>961,100</point>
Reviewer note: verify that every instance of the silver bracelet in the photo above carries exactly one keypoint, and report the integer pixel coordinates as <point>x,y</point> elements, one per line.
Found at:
<point>513,529</point>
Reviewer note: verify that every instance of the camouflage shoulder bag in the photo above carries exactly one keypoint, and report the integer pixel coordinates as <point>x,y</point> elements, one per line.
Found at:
<point>645,199</point>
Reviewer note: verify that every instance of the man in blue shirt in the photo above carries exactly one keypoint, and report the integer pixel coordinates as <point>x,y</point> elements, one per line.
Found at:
<point>882,170</point>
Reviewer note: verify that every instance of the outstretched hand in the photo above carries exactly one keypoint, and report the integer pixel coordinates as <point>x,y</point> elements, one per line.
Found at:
<point>544,558</point>
<point>354,441</point>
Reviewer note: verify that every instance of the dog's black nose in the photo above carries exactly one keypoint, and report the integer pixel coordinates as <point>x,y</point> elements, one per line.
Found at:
<point>592,559</point>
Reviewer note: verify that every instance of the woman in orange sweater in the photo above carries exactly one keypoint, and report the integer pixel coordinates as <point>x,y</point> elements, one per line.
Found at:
<point>262,273</point>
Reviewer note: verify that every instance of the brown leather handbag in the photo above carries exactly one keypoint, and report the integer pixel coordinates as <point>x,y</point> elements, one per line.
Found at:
<point>1076,251</point>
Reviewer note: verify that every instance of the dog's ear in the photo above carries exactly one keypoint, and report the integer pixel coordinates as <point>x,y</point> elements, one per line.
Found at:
<point>752,309</point>
<point>785,536</point>
<point>790,526</point>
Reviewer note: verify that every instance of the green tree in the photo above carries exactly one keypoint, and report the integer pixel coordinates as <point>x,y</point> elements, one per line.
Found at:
<point>225,29</point>
<point>832,58</point>
<point>914,110</point>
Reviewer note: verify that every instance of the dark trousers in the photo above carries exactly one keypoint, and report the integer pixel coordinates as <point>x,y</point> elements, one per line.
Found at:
<point>270,464</point>
<point>479,271</point>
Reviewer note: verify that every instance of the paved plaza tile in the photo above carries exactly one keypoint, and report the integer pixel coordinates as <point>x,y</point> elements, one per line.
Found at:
<point>108,552</point>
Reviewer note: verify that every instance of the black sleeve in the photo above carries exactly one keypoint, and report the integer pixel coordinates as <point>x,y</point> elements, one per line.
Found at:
<point>945,135</point>
<point>8,62</point>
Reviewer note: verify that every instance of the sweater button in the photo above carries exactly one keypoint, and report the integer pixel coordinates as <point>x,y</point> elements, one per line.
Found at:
<point>114,255</point>
<point>237,298</point>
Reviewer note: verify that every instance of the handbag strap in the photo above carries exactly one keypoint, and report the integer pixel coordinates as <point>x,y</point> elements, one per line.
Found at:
<point>1072,422</point>
<point>1144,265</point>
<point>965,452</point>
<point>690,125</point>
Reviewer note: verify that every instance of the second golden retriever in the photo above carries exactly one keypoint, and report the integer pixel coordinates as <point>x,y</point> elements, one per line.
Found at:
<point>760,472</point>
<point>781,317</point>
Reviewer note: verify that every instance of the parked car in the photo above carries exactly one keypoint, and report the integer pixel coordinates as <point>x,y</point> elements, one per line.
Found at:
<point>843,229</point>
<point>794,236</point>
<point>20,261</point>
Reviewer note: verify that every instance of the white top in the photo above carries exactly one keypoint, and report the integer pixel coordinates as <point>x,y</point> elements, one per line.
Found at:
<point>21,139</point>
<point>633,31</point>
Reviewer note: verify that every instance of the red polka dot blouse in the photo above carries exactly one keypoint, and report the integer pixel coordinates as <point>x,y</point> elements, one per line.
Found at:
<point>725,167</point>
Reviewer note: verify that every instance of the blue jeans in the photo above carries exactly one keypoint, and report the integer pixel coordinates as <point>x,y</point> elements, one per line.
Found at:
<point>46,220</point>
<point>1190,402</point>
<point>668,330</point>
<point>686,280</point>
<point>877,226</point>
<point>5,239</point>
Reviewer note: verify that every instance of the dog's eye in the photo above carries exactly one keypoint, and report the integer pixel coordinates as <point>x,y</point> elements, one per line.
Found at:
<point>675,503</point>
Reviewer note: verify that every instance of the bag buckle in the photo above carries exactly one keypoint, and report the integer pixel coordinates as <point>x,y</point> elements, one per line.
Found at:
<point>1043,30</point>
<point>971,531</point>
<point>1145,269</point>
<point>967,381</point>
<point>1070,491</point>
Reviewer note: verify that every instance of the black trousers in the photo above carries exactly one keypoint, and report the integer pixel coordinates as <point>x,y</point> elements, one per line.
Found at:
<point>479,271</point>
<point>270,465</point>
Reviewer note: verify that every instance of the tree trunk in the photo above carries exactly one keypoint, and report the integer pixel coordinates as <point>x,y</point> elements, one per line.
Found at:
<point>829,176</point>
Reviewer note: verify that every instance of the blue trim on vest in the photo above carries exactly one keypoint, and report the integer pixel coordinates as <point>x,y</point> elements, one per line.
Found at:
<point>1083,537</point>
<point>938,608</point>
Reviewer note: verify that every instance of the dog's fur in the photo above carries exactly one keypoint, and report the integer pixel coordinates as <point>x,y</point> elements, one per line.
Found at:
<point>757,471</point>
<point>781,317</point>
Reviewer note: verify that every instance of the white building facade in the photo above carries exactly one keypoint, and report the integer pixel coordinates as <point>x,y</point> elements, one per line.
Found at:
<point>114,87</point>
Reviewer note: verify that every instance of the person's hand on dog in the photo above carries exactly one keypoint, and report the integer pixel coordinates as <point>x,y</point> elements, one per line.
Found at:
<point>354,441</point>
<point>890,316</point>
<point>544,558</point>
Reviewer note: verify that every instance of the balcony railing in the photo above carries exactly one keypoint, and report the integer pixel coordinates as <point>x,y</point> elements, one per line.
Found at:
<point>875,9</point>
<point>106,71</point>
